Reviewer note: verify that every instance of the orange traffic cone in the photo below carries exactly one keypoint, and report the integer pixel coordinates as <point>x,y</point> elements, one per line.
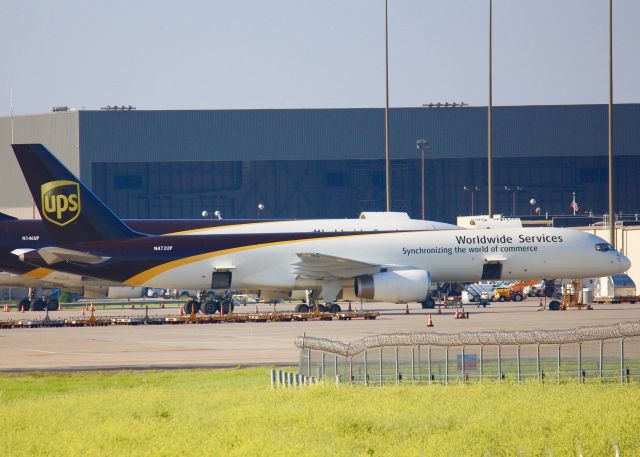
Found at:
<point>455,315</point>
<point>541,305</point>
<point>439,309</point>
<point>22,311</point>
<point>429,322</point>
<point>181,310</point>
<point>83,313</point>
<point>93,308</point>
<point>406,309</point>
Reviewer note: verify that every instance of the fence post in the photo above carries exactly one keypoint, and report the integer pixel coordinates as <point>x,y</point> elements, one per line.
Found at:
<point>351,369</point>
<point>518,362</point>
<point>335,365</point>
<point>462,364</point>
<point>558,374</point>
<point>413,364</point>
<point>272,374</point>
<point>600,362</point>
<point>580,361</point>
<point>380,365</point>
<point>622,360</point>
<point>308,362</point>
<point>499,363</point>
<point>419,362</point>
<point>538,361</point>
<point>397,367</point>
<point>322,365</point>
<point>366,372</point>
<point>446,364</point>
<point>429,362</point>
<point>481,367</point>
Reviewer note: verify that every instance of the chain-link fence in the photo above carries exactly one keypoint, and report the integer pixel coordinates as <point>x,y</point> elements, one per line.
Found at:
<point>588,353</point>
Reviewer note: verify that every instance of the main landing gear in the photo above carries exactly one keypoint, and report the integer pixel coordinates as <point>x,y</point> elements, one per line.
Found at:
<point>208,304</point>
<point>33,303</point>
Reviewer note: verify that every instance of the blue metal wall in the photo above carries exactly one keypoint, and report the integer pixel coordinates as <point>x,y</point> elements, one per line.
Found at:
<point>329,162</point>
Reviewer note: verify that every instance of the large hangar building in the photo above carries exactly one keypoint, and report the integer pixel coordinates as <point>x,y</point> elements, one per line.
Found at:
<point>320,163</point>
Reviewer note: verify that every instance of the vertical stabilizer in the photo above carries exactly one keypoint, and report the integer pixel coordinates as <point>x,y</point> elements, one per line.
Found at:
<point>70,211</point>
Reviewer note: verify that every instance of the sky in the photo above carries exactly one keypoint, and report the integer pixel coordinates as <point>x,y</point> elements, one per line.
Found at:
<point>245,54</point>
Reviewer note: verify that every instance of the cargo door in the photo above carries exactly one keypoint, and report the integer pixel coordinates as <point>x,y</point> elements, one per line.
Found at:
<point>492,271</point>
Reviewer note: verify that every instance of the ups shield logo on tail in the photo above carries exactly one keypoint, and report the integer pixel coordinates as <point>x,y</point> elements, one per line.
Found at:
<point>60,202</point>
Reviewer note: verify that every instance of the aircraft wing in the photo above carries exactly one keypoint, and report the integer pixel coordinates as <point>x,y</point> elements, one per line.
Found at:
<point>54,254</point>
<point>322,266</point>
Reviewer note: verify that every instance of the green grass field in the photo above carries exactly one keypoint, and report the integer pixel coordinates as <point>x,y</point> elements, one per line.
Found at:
<point>235,412</point>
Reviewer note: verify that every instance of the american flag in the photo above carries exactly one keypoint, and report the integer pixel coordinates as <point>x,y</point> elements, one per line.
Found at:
<point>574,204</point>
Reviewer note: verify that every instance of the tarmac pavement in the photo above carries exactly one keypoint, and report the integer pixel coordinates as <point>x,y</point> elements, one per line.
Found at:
<point>269,343</point>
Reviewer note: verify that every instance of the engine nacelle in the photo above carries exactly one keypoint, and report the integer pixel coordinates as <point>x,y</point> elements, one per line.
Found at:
<point>394,286</point>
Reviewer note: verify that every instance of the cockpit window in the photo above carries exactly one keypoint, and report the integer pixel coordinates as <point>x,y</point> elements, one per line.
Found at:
<point>604,247</point>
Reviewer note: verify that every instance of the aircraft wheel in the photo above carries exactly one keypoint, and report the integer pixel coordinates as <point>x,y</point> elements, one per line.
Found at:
<point>191,304</point>
<point>517,297</point>
<point>227,305</point>
<point>554,305</point>
<point>334,308</point>
<point>26,303</point>
<point>211,306</point>
<point>53,304</point>
<point>429,303</point>
<point>302,308</point>
<point>38,304</point>
<point>501,298</point>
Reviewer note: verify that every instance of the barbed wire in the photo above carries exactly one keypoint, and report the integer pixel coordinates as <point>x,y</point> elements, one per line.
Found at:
<point>497,338</point>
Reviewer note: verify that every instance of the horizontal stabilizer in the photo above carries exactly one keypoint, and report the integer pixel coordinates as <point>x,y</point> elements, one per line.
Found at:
<point>53,255</point>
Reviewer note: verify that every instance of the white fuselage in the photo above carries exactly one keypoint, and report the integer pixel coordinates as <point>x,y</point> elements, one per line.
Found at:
<point>396,222</point>
<point>449,255</point>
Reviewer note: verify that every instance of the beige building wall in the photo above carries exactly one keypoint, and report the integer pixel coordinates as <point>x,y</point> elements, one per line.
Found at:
<point>57,131</point>
<point>22,212</point>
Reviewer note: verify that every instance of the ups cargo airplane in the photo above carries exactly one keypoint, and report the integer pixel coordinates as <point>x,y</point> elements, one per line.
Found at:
<point>88,239</point>
<point>31,234</point>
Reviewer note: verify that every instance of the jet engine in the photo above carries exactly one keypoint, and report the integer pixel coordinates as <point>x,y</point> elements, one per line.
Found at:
<point>394,286</point>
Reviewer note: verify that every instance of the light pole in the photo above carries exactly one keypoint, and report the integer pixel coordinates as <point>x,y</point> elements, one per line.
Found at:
<point>386,106</point>
<point>489,105</point>
<point>421,145</point>
<point>473,190</point>
<point>514,190</point>
<point>612,219</point>
<point>260,208</point>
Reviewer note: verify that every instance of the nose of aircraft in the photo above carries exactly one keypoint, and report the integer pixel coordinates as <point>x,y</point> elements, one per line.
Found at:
<point>625,263</point>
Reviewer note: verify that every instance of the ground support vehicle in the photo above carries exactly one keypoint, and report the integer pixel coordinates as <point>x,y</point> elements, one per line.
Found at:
<point>507,294</point>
